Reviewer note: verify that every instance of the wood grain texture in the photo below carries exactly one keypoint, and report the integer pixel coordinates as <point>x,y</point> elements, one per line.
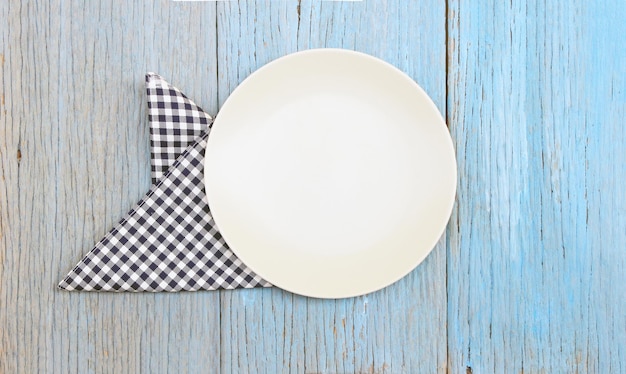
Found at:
<point>74,158</point>
<point>536,259</point>
<point>401,329</point>
<point>529,277</point>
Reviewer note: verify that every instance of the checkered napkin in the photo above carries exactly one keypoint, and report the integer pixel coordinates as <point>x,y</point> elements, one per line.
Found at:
<point>168,241</point>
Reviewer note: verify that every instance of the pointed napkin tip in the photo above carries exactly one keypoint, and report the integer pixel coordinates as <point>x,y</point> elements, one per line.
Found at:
<point>152,79</point>
<point>63,285</point>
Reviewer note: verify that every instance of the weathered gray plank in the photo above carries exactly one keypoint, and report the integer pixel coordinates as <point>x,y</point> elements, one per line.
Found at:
<point>536,257</point>
<point>401,328</point>
<point>73,159</point>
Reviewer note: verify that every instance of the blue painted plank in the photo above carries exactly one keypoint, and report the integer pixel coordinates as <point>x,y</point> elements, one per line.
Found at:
<point>537,97</point>
<point>401,328</point>
<point>74,158</point>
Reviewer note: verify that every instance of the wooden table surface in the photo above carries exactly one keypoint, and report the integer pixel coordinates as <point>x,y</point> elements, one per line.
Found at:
<point>529,277</point>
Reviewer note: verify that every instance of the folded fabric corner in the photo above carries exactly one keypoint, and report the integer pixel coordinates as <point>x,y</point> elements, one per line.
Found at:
<point>175,123</point>
<point>168,241</point>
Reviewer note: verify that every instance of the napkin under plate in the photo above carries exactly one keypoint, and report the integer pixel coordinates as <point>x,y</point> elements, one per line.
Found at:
<point>168,241</point>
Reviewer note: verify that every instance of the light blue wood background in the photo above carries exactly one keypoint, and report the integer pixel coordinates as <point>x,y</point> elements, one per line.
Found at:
<point>529,277</point>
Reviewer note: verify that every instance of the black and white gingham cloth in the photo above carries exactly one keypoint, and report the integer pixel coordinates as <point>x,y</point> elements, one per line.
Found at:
<point>175,123</point>
<point>168,241</point>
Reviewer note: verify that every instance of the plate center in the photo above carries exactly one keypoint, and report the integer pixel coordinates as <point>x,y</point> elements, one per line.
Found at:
<point>329,170</point>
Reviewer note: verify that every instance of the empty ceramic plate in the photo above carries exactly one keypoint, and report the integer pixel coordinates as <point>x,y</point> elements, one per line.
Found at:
<point>330,173</point>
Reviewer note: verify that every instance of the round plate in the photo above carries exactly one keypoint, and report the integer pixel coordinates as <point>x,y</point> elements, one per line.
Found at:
<point>330,173</point>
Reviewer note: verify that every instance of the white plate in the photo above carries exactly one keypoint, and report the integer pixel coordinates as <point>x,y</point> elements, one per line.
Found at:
<point>330,173</point>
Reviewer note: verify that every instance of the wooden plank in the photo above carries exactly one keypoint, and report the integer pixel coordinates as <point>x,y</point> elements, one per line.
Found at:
<point>401,328</point>
<point>537,96</point>
<point>74,157</point>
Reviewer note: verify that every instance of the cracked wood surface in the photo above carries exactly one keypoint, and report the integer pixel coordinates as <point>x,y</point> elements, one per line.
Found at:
<point>529,276</point>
